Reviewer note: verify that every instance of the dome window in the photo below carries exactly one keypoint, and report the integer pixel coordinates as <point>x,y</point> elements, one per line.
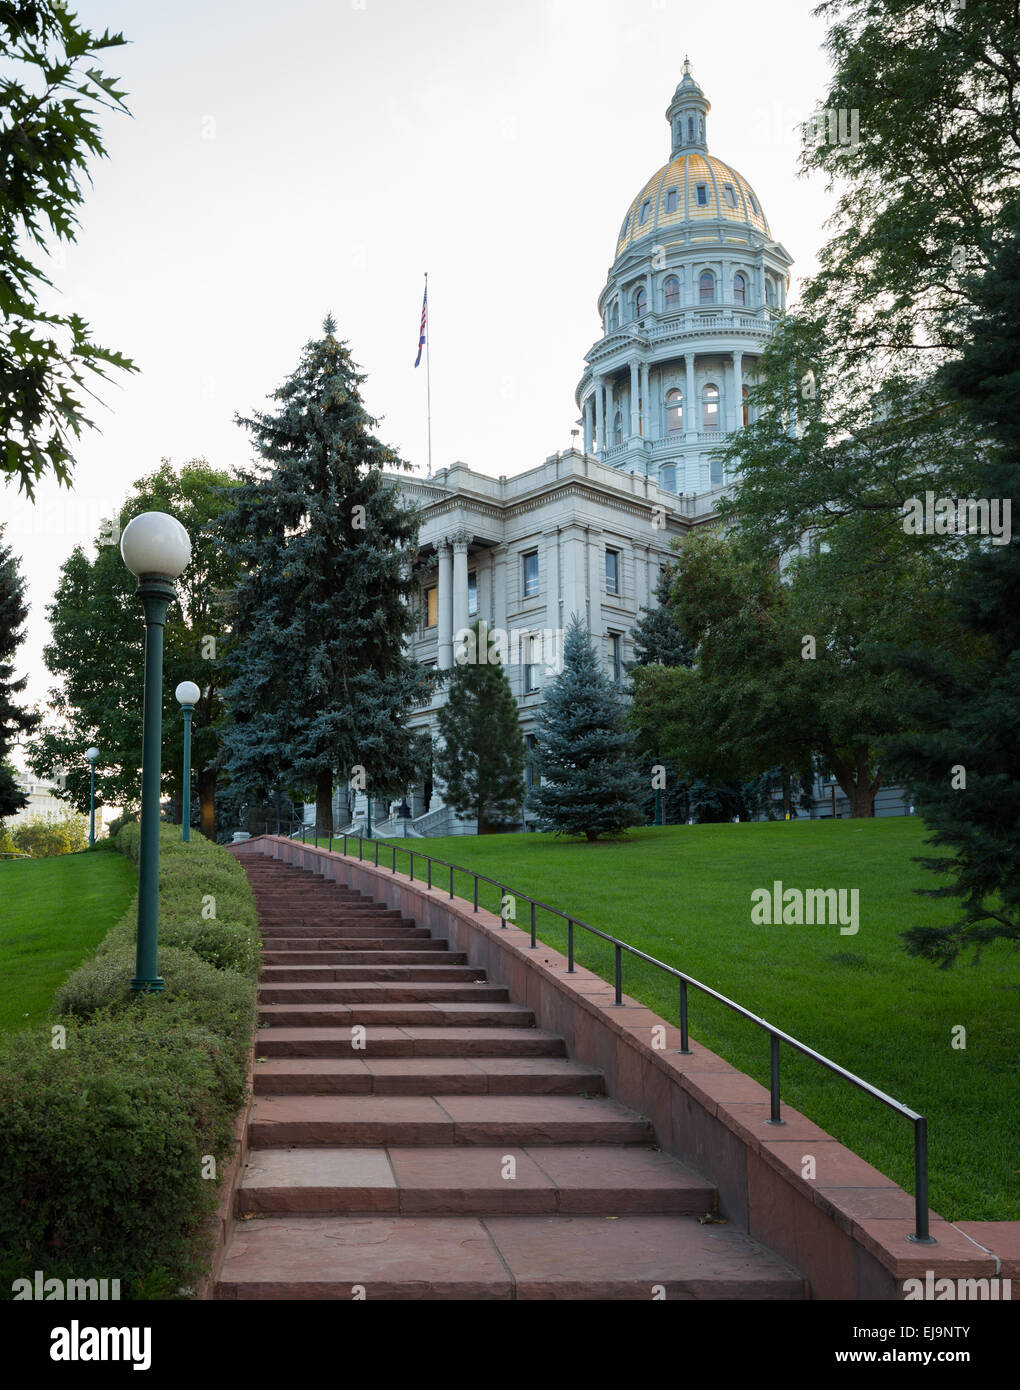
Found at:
<point>672,200</point>
<point>674,412</point>
<point>710,408</point>
<point>671,292</point>
<point>754,205</point>
<point>739,289</point>
<point>701,190</point>
<point>640,303</point>
<point>623,229</point>
<point>729,196</point>
<point>706,287</point>
<point>646,207</point>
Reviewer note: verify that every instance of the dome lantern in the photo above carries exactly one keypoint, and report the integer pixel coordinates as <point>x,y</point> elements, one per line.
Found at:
<point>687,114</point>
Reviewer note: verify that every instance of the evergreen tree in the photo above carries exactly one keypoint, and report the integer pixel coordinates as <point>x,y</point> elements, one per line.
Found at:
<point>481,759</point>
<point>657,637</point>
<point>589,785</point>
<point>321,681</point>
<point>963,764</point>
<point>14,718</point>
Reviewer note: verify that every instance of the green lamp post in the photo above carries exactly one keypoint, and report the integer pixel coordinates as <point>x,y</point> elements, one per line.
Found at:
<point>187,694</point>
<point>92,754</point>
<point>156,549</point>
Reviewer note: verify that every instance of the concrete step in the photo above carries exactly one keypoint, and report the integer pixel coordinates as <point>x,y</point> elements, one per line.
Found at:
<point>431,954</point>
<point>425,1076</point>
<point>484,1181</point>
<point>383,992</point>
<point>408,1042</point>
<point>305,937</point>
<point>354,1121</point>
<point>455,1014</point>
<point>500,1257</point>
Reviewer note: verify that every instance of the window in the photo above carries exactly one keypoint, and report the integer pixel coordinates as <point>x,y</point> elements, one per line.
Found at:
<point>747,408</point>
<point>617,428</point>
<point>614,315</point>
<point>640,303</point>
<point>623,229</point>
<point>645,209</point>
<point>672,199</point>
<point>529,566</point>
<point>472,595</point>
<point>690,127</point>
<point>739,289</point>
<point>667,478</point>
<point>710,408</point>
<point>729,197</point>
<point>716,472</point>
<point>531,744</point>
<point>706,287</point>
<point>612,571</point>
<point>615,657</point>
<point>674,411</point>
<point>750,199</point>
<point>431,607</point>
<point>532,663</point>
<point>671,290</point>
<point>771,295</point>
<point>701,190</point>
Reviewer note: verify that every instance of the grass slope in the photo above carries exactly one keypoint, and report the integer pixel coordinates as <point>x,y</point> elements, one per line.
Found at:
<point>53,913</point>
<point>682,894</point>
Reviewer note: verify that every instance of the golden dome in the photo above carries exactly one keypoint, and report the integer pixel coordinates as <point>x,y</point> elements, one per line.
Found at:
<point>671,198</point>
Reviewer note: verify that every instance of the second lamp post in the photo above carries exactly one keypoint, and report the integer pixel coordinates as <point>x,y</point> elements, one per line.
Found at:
<point>187,694</point>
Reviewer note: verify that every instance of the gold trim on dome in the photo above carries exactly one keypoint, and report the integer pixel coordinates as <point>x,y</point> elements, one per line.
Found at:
<point>682,173</point>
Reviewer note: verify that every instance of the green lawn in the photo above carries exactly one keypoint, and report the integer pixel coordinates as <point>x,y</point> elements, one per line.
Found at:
<point>53,913</point>
<point>682,894</point>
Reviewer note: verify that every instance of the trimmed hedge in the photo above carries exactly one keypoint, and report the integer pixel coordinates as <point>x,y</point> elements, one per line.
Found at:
<point>104,1141</point>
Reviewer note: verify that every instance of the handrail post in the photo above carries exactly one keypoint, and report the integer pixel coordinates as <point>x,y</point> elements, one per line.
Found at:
<point>361,848</point>
<point>774,1118</point>
<point>476,893</point>
<point>534,944</point>
<point>920,1234</point>
<point>503,895</point>
<point>377,854</point>
<point>345,842</point>
<point>618,963</point>
<point>394,859</point>
<point>411,853</point>
<point>331,842</point>
<point>685,1042</point>
<point>428,862</point>
<point>451,881</point>
<point>570,945</point>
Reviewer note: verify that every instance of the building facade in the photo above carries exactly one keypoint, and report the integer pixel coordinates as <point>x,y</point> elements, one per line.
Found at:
<point>694,291</point>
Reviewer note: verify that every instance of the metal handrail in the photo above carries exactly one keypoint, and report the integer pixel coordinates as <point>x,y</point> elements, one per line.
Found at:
<point>921,1234</point>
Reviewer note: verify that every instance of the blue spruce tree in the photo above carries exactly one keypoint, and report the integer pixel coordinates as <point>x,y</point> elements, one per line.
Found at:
<point>590,786</point>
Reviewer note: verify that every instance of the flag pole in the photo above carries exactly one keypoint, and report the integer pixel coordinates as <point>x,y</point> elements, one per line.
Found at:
<point>428,379</point>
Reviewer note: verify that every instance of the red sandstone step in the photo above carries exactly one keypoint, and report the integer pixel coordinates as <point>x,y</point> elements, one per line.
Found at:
<point>304,959</point>
<point>306,936</point>
<point>408,1042</point>
<point>359,974</point>
<point>456,1014</point>
<point>405,1076</point>
<point>501,1257</point>
<point>382,991</point>
<point>481,1181</point>
<point>353,1121</point>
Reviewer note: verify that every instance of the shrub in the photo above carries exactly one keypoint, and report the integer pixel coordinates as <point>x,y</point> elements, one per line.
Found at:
<point>43,836</point>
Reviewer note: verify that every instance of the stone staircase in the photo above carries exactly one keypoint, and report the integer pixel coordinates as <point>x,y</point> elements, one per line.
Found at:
<point>415,1135</point>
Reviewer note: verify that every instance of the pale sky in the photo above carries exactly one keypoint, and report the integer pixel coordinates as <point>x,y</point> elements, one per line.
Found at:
<point>285,160</point>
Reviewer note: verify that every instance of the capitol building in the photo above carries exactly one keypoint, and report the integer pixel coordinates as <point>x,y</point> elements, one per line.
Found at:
<point>695,288</point>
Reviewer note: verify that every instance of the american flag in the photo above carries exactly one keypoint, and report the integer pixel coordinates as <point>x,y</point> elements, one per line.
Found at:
<point>424,317</point>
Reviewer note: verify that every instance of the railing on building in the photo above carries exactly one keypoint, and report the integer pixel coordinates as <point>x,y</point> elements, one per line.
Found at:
<point>777,1036</point>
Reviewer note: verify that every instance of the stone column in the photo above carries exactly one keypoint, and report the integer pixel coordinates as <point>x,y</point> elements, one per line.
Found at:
<point>738,396</point>
<point>635,411</point>
<point>596,582</point>
<point>445,597</point>
<point>551,543</point>
<point>647,428</point>
<point>690,405</point>
<point>600,407</point>
<point>572,547</point>
<point>499,577</point>
<point>610,414</point>
<point>460,583</point>
<point>589,423</point>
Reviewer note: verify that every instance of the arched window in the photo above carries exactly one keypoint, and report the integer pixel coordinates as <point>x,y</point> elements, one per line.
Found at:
<point>640,302</point>
<point>739,289</point>
<point>706,287</point>
<point>674,411</point>
<point>771,294</point>
<point>710,407</point>
<point>645,209</point>
<point>614,315</point>
<point>667,478</point>
<point>690,127</point>
<point>623,229</point>
<point>617,428</point>
<point>671,293</point>
<point>747,408</point>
